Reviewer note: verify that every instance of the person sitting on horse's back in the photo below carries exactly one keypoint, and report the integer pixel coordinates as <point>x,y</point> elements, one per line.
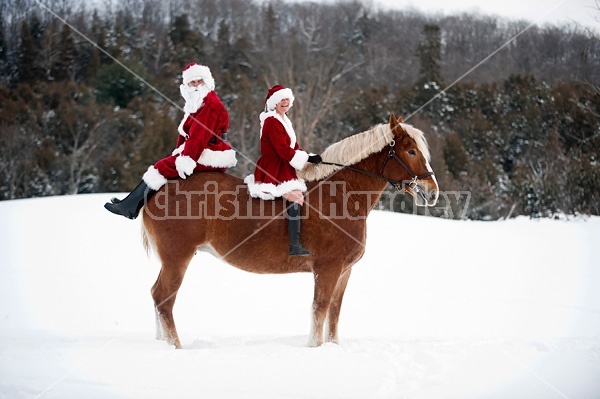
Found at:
<point>201,144</point>
<point>275,172</point>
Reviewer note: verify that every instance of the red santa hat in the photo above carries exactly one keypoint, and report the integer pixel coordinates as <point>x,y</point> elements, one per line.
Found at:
<point>276,94</point>
<point>193,71</point>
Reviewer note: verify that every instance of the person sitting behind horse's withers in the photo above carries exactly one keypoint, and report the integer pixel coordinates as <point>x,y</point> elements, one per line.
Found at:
<point>201,144</point>
<point>275,172</point>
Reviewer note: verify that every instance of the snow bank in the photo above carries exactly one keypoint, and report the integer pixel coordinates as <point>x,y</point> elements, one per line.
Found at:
<point>435,309</point>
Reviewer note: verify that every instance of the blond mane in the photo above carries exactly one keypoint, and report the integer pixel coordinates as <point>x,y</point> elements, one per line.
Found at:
<point>355,148</point>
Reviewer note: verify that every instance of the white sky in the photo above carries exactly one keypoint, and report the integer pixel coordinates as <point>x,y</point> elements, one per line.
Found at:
<point>584,12</point>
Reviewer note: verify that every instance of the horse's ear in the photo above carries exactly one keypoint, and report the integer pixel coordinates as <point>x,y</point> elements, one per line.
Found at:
<point>394,121</point>
<point>397,129</point>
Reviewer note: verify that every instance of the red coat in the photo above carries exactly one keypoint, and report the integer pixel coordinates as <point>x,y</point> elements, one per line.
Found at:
<point>211,118</point>
<point>206,151</point>
<point>275,173</point>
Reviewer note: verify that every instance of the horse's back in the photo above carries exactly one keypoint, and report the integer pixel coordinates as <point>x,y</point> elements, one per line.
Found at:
<point>213,209</point>
<point>214,212</point>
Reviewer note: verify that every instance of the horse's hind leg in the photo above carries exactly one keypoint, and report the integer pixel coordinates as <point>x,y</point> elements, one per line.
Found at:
<point>336,306</point>
<point>164,292</point>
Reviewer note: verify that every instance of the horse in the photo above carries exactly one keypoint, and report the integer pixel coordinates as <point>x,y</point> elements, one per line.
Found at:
<point>213,212</point>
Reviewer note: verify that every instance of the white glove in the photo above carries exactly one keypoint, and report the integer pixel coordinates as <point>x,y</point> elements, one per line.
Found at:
<point>185,166</point>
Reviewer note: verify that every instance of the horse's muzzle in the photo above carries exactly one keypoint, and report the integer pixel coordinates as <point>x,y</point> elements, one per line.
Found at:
<point>424,196</point>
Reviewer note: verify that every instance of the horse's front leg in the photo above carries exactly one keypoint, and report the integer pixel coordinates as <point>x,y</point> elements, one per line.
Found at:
<point>324,288</point>
<point>336,306</point>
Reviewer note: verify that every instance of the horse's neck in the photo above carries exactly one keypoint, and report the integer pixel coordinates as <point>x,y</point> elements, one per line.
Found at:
<point>362,187</point>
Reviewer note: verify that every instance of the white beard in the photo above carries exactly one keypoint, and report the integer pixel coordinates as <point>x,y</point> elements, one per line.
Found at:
<point>193,96</point>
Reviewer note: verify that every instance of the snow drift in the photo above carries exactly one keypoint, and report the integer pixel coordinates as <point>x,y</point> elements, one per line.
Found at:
<point>435,309</point>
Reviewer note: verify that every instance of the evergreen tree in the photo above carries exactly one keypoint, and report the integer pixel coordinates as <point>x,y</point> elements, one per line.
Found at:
<point>99,35</point>
<point>188,45</point>
<point>455,155</point>
<point>27,63</point>
<point>271,28</point>
<point>116,85</point>
<point>64,67</point>
<point>223,50</point>
<point>430,80</point>
<point>4,74</point>
<point>93,64</point>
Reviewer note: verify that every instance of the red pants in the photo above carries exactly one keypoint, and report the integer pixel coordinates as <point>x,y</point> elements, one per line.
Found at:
<point>166,167</point>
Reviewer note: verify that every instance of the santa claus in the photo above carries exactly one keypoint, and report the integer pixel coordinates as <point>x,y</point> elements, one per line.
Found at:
<point>201,144</point>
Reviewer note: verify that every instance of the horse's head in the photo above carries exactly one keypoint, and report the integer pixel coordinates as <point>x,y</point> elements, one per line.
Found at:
<point>407,162</point>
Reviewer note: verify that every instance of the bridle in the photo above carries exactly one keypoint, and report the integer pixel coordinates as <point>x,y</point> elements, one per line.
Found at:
<point>399,185</point>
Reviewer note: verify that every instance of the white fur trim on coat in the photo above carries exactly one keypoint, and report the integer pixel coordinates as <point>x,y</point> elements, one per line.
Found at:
<point>269,191</point>
<point>178,150</point>
<point>180,127</point>
<point>285,121</point>
<point>299,160</point>
<point>153,178</point>
<point>278,96</point>
<point>185,165</point>
<point>196,72</point>
<point>218,159</point>
<point>260,190</point>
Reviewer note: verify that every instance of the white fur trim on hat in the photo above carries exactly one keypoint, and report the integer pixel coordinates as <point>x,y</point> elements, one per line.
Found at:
<point>278,96</point>
<point>299,159</point>
<point>196,72</point>
<point>218,159</point>
<point>153,178</point>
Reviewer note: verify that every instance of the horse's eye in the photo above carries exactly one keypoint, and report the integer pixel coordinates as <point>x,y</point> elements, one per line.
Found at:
<point>412,152</point>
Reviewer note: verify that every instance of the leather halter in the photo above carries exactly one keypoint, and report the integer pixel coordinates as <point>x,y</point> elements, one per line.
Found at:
<point>413,182</point>
<point>398,184</point>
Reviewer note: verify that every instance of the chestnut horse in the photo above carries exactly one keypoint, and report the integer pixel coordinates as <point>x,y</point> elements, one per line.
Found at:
<point>213,212</point>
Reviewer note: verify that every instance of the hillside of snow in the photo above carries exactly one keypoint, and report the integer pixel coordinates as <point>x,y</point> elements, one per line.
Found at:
<point>435,309</point>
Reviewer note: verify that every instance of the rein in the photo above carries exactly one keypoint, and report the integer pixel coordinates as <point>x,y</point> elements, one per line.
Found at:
<point>397,184</point>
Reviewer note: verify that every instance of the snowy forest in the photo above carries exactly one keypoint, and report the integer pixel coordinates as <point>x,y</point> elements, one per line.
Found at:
<point>89,97</point>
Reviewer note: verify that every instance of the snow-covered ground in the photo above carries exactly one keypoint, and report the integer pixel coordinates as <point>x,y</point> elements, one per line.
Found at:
<point>435,309</point>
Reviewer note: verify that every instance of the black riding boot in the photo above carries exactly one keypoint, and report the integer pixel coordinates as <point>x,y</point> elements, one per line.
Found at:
<point>294,211</point>
<point>130,206</point>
